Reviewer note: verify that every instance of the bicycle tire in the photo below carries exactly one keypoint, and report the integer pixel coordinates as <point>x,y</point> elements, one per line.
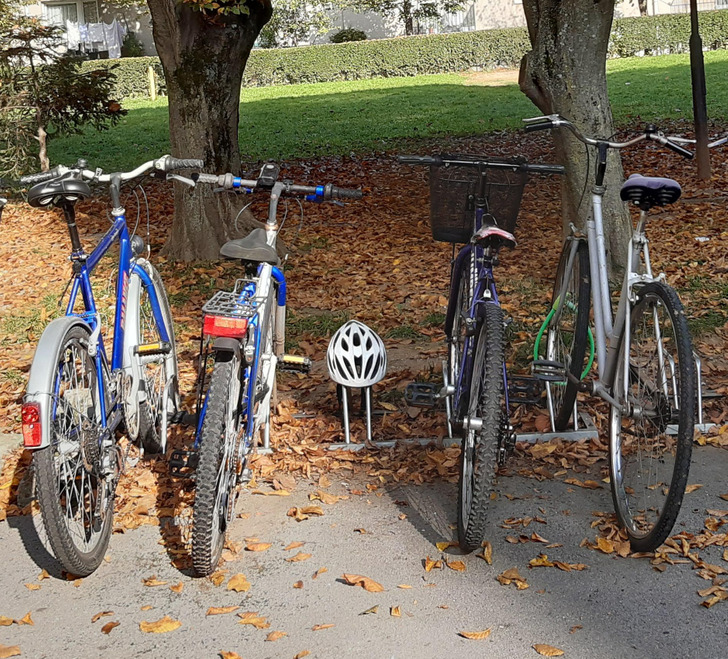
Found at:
<point>568,334</point>
<point>659,396</point>
<point>66,488</point>
<point>479,454</point>
<point>215,480</point>
<point>153,411</point>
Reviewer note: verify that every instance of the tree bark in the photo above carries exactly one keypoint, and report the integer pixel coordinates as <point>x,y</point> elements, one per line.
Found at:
<point>642,4</point>
<point>406,10</point>
<point>565,73</point>
<point>203,59</point>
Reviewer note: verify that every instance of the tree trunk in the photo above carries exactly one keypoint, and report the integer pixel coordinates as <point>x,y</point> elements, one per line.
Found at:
<point>642,4</point>
<point>565,73</point>
<point>203,60</point>
<point>409,27</point>
<point>45,163</point>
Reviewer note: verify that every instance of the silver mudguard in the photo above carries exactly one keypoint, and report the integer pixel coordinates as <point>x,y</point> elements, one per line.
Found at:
<point>43,369</point>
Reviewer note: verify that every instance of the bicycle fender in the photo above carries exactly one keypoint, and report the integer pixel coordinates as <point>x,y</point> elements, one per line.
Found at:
<point>43,369</point>
<point>225,344</point>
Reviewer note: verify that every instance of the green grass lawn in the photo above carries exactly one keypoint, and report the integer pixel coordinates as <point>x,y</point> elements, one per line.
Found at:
<point>299,121</point>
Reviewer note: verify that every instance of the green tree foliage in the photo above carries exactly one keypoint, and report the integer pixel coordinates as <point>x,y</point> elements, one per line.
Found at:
<point>408,12</point>
<point>294,21</point>
<point>44,94</point>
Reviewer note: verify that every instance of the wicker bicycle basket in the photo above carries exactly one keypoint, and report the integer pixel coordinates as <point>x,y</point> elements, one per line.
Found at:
<point>455,188</point>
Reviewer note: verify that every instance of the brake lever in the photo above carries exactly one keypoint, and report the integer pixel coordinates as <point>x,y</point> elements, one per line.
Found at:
<point>181,179</point>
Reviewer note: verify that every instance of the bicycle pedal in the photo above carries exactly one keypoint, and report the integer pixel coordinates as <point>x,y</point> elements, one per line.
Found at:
<point>422,394</point>
<point>159,348</point>
<point>183,463</point>
<point>548,371</point>
<point>525,390</point>
<point>295,363</point>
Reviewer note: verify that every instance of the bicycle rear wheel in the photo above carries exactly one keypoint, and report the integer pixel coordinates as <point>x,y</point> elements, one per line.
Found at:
<point>568,329</point>
<point>479,454</point>
<point>158,372</point>
<point>218,467</point>
<point>76,502</point>
<point>650,441</point>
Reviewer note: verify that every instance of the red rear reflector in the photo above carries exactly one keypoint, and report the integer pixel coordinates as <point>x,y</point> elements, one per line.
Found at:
<point>225,326</point>
<point>32,432</point>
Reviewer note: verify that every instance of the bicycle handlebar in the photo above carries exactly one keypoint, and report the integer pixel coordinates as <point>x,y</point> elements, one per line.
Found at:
<point>556,121</point>
<point>469,161</point>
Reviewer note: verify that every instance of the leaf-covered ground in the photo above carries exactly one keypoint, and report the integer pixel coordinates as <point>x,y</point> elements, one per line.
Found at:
<point>375,260</point>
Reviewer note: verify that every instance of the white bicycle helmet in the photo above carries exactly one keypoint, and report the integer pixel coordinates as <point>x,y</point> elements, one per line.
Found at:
<point>356,356</point>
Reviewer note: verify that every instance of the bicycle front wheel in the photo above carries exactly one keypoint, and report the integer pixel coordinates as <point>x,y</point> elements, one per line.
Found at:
<point>479,454</point>
<point>219,464</point>
<point>157,371</point>
<point>651,435</point>
<point>76,502</point>
<point>568,329</point>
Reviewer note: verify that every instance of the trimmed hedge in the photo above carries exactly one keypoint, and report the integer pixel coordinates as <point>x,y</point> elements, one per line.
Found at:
<point>437,53</point>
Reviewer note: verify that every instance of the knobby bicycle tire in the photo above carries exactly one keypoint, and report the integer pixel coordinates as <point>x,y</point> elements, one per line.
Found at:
<point>573,320</point>
<point>214,480</point>
<point>479,454</point>
<point>659,401</point>
<point>65,487</point>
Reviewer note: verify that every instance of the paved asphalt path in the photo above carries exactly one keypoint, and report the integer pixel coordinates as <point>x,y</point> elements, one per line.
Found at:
<point>615,608</point>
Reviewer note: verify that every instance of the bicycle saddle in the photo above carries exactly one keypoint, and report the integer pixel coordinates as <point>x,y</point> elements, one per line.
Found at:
<point>251,248</point>
<point>494,236</point>
<point>51,193</point>
<point>649,191</point>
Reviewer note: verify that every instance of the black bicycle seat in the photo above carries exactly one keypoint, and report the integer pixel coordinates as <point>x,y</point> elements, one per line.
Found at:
<point>52,193</point>
<point>649,191</point>
<point>253,247</point>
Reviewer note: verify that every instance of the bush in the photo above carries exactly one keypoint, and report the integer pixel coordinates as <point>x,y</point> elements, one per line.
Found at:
<point>131,46</point>
<point>348,34</point>
<point>131,75</point>
<point>437,53</point>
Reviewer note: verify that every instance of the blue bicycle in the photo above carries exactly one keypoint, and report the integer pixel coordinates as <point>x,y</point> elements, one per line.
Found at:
<point>243,342</point>
<point>77,398</point>
<point>474,200</point>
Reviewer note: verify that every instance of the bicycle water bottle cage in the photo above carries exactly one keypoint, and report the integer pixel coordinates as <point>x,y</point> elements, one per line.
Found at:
<point>649,191</point>
<point>57,191</point>
<point>490,236</point>
<point>253,247</point>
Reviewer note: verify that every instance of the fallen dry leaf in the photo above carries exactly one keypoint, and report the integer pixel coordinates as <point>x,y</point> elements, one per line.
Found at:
<point>604,545</point>
<point>458,566</point>
<point>548,650</point>
<point>395,611</point>
<point>101,615</point>
<point>404,586</point>
<point>44,575</point>
<point>258,546</point>
<point>370,610</point>
<point>252,618</point>
<point>327,625</point>
<point>300,556</point>
<point>365,582</point>
<point>324,497</point>
<point>294,545</point>
<point>487,553</point>
<point>319,572</point>
<point>7,651</point>
<point>178,588</point>
<point>221,610</point>
<point>217,577</point>
<point>442,546</point>
<point>432,565</point>
<point>274,636</point>
<point>302,654</point>
<point>541,561</point>
<point>5,621</point>
<point>512,576</point>
<point>298,584</point>
<point>25,620</point>
<point>575,629</point>
<point>147,607</point>
<point>692,488</point>
<point>32,586</point>
<point>160,626</point>
<point>229,655</point>
<point>239,583</point>
<point>106,629</point>
<point>153,581</point>
<point>476,636</point>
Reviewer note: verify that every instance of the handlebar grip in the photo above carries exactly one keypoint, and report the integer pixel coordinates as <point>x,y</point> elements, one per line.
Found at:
<point>206,178</point>
<point>343,193</point>
<point>183,163</point>
<point>678,149</point>
<point>32,179</point>
<point>546,169</point>
<point>529,128</point>
<point>420,160</point>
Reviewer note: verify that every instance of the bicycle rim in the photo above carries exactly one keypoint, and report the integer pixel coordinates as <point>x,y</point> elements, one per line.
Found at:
<point>651,441</point>
<point>76,503</point>
<point>461,345</point>
<point>568,330</point>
